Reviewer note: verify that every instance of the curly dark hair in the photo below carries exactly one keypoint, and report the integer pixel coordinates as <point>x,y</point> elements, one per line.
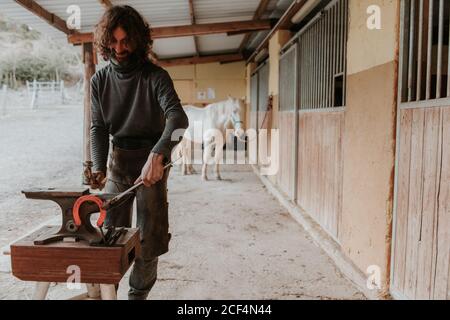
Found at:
<point>137,29</point>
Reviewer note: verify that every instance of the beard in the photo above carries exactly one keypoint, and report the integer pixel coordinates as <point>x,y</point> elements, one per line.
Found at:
<point>122,57</point>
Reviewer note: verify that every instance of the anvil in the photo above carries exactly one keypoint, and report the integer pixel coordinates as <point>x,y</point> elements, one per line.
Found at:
<point>75,226</point>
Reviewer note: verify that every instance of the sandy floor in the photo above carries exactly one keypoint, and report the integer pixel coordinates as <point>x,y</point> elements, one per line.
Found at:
<point>231,239</point>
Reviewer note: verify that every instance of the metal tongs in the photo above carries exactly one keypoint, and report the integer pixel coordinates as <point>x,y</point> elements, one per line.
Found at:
<point>111,202</point>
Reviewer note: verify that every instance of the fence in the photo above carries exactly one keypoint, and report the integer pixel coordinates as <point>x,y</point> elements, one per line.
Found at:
<point>48,91</point>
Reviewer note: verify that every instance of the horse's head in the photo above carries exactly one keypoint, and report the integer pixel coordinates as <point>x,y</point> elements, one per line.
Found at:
<point>236,107</point>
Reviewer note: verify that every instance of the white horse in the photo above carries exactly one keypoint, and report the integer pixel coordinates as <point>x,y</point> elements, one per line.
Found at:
<point>214,120</point>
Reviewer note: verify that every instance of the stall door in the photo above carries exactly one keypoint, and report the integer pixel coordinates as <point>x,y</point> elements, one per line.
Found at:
<point>421,246</point>
<point>287,122</point>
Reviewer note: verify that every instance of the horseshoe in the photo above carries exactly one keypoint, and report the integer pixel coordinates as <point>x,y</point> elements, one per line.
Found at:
<point>88,198</point>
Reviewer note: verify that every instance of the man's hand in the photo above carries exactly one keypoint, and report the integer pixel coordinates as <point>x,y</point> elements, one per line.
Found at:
<point>153,170</point>
<point>98,180</point>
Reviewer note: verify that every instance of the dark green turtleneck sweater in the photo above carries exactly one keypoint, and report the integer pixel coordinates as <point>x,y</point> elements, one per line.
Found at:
<point>135,102</point>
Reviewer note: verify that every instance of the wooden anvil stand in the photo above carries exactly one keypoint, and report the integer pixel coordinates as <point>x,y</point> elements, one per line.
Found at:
<point>73,261</point>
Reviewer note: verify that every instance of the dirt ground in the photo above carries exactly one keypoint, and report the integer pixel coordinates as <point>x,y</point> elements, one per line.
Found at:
<point>231,239</point>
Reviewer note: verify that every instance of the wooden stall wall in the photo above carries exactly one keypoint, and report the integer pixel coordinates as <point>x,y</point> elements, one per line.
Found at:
<point>322,100</point>
<point>319,183</point>
<point>421,248</point>
<point>422,229</point>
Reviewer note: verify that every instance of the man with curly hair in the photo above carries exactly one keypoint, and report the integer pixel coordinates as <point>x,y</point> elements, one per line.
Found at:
<point>135,102</point>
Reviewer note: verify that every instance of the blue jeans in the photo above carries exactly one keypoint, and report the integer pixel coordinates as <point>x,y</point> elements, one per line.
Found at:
<point>152,216</point>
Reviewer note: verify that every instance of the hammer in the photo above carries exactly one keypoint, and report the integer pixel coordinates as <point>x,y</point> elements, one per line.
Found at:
<point>109,203</point>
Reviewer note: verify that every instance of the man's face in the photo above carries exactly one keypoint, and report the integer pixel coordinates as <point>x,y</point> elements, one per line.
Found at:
<point>120,45</point>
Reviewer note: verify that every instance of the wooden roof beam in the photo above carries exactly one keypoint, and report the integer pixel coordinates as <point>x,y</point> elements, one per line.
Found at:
<point>283,24</point>
<point>262,7</point>
<point>190,30</point>
<point>44,14</point>
<point>222,58</point>
<point>106,3</point>
<point>210,28</point>
<point>193,22</point>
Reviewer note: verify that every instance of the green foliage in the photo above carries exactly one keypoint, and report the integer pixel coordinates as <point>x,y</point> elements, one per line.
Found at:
<point>25,54</point>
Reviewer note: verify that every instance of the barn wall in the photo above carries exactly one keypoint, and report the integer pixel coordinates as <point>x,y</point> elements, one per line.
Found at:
<point>362,142</point>
<point>182,72</point>
<point>369,139</point>
<point>225,79</point>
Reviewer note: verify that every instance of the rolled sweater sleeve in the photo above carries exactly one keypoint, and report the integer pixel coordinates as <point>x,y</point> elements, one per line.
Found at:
<point>98,132</point>
<point>176,119</point>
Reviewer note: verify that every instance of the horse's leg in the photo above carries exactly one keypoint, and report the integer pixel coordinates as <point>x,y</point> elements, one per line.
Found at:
<point>181,152</point>
<point>196,147</point>
<point>191,159</point>
<point>206,158</point>
<point>183,161</point>
<point>218,156</point>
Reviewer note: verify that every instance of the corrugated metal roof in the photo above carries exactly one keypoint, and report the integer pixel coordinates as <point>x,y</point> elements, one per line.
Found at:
<point>90,11</point>
<point>161,13</point>
<point>219,43</point>
<point>15,11</point>
<point>174,47</point>
<point>158,13</point>
<point>218,10</point>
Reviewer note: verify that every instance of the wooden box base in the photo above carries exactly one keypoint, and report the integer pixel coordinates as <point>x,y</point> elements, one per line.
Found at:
<point>58,261</point>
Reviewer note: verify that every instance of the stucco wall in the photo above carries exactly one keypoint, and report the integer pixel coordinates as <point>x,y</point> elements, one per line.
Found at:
<point>224,79</point>
<point>369,139</point>
<point>370,48</point>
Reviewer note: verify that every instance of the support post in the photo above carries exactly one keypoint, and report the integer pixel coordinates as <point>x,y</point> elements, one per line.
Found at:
<point>93,291</point>
<point>34,94</point>
<point>108,292</point>
<point>89,70</point>
<point>41,290</point>
<point>61,88</point>
<point>4,98</point>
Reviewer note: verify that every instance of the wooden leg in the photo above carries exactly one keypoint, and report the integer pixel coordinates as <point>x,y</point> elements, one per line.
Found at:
<point>41,290</point>
<point>108,292</point>
<point>93,291</point>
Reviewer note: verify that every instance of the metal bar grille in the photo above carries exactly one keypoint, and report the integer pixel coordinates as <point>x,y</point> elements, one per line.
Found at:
<point>411,64</point>
<point>420,49</point>
<point>323,52</point>
<point>259,94</point>
<point>263,88</point>
<point>425,51</point>
<point>344,58</point>
<point>254,101</point>
<point>429,47</point>
<point>288,87</point>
